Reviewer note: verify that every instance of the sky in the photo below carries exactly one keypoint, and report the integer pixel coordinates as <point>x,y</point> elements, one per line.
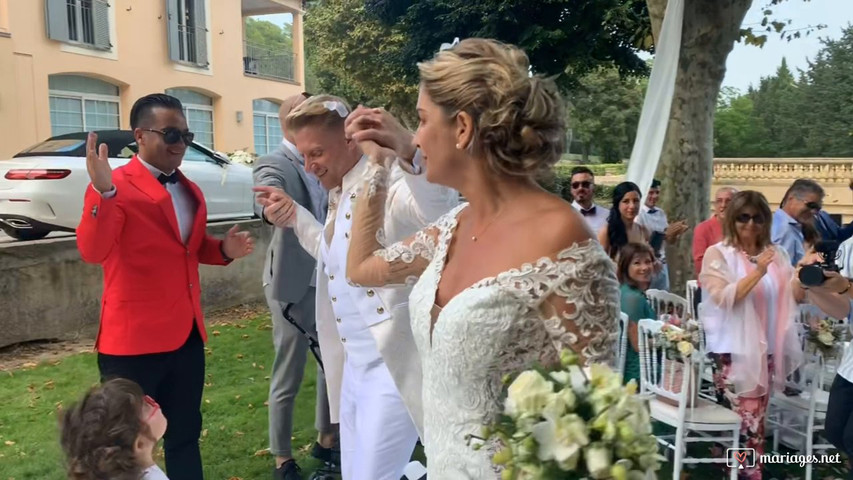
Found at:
<point>747,64</point>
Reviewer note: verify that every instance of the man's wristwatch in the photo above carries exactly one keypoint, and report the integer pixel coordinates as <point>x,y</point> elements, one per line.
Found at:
<point>222,251</point>
<point>846,289</point>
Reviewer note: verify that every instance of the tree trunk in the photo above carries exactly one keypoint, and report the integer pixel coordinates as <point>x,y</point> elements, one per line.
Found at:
<point>710,30</point>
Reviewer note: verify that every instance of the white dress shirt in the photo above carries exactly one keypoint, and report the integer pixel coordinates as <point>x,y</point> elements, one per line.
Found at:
<point>654,221</point>
<point>596,216</point>
<point>182,200</point>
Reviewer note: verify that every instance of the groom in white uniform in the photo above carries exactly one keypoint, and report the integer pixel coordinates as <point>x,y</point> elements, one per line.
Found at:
<point>373,371</point>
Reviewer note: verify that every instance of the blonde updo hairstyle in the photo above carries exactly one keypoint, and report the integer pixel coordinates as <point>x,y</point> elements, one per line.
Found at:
<point>519,119</point>
<point>315,112</point>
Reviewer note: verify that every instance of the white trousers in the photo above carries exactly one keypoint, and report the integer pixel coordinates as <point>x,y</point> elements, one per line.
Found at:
<point>377,433</point>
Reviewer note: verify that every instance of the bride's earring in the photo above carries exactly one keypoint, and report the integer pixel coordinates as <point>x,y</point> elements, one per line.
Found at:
<point>458,147</point>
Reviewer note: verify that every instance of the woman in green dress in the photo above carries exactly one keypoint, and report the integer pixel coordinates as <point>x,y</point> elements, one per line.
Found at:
<point>635,270</point>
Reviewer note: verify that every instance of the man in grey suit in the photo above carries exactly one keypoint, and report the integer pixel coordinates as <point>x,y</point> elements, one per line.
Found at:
<point>289,277</point>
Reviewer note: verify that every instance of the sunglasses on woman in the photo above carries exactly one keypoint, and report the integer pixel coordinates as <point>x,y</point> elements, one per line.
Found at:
<point>757,219</point>
<point>172,135</point>
<point>154,407</point>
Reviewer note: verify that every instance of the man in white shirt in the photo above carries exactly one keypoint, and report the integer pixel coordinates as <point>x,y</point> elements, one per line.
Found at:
<point>373,372</point>
<point>654,220</point>
<point>583,188</point>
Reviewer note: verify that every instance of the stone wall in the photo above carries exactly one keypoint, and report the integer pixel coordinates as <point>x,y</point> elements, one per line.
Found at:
<point>48,292</point>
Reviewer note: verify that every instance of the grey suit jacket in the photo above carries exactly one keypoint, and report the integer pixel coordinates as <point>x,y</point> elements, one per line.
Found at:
<point>288,268</point>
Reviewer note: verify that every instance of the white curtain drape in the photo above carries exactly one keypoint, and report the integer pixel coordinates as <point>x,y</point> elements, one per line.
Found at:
<point>654,118</point>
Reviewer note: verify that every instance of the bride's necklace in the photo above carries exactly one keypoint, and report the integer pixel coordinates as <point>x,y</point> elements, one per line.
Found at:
<point>483,230</point>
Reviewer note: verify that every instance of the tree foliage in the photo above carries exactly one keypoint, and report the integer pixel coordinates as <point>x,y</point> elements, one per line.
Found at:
<point>604,113</point>
<point>268,35</point>
<point>788,116</point>
<point>354,55</point>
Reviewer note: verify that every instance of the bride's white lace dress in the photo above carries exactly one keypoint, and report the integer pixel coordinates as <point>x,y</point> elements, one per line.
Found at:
<point>499,325</point>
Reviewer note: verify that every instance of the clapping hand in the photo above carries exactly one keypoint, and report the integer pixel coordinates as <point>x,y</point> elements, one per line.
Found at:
<point>279,208</point>
<point>675,229</point>
<point>98,165</point>
<point>765,258</point>
<point>237,244</point>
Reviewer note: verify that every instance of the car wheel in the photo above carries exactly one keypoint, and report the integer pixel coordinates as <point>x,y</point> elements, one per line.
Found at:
<point>29,234</point>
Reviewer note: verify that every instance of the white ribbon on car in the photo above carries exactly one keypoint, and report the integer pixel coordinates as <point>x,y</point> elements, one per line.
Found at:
<point>335,106</point>
<point>447,46</point>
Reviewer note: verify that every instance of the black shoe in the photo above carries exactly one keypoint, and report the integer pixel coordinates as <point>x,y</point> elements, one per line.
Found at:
<point>288,470</point>
<point>326,455</point>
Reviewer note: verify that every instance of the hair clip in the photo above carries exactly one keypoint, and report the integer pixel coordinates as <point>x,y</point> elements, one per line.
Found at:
<point>334,106</point>
<point>447,46</point>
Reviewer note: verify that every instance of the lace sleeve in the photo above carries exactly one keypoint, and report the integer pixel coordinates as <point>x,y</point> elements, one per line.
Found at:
<point>369,262</point>
<point>581,306</point>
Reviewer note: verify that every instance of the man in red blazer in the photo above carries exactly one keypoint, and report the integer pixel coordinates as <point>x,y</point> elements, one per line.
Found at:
<point>145,223</point>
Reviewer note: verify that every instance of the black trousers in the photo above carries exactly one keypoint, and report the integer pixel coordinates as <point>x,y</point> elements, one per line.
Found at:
<point>697,299</point>
<point>175,380</point>
<point>839,417</point>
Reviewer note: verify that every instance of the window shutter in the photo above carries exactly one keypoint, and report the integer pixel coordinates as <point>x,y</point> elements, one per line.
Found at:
<point>56,20</point>
<point>172,34</point>
<point>200,30</point>
<point>101,17</point>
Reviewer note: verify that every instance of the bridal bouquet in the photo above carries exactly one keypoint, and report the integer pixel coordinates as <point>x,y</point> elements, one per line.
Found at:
<point>680,342</point>
<point>564,424</point>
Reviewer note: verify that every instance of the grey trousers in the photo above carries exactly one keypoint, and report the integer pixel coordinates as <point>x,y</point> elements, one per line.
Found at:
<point>291,353</point>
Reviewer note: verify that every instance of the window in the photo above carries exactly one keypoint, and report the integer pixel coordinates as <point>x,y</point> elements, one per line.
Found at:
<point>84,22</point>
<point>198,108</point>
<point>187,31</point>
<point>267,126</point>
<point>79,104</point>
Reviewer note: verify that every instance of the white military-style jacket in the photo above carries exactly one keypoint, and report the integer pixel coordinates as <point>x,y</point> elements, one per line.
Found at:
<point>412,204</point>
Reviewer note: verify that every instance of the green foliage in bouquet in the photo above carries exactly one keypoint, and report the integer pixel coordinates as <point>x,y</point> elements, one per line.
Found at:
<point>562,424</point>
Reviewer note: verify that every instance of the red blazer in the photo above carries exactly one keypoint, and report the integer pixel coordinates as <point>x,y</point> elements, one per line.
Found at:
<point>151,282</point>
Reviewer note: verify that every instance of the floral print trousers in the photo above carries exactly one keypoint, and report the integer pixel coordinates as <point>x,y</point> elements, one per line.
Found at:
<point>752,411</point>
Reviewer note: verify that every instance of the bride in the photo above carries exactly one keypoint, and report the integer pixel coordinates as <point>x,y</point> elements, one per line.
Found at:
<point>503,282</point>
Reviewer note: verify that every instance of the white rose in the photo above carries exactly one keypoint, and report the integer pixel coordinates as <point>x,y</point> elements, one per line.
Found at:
<point>528,394</point>
<point>825,337</point>
<point>598,461</point>
<point>561,439</point>
<point>686,348</point>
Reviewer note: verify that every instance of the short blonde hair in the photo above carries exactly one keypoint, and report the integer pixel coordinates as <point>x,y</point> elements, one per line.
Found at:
<point>327,111</point>
<point>520,119</point>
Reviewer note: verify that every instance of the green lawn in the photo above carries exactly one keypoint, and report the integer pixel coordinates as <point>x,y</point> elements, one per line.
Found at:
<point>234,440</point>
<point>235,432</point>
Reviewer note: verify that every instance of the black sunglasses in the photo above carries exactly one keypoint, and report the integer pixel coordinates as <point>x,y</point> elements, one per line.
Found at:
<point>814,206</point>
<point>583,184</point>
<point>757,219</point>
<point>172,135</point>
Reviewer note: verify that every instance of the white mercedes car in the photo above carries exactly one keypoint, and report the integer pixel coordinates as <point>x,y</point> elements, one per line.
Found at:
<point>42,187</point>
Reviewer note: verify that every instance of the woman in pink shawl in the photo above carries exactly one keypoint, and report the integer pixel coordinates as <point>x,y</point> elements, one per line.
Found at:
<point>749,316</point>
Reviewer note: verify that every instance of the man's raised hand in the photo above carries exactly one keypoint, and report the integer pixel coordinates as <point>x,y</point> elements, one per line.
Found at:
<point>98,164</point>
<point>377,125</point>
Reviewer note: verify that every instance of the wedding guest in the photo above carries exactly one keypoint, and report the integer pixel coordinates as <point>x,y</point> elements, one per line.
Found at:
<point>654,219</point>
<point>749,316</point>
<point>583,191</point>
<point>289,280</point>
<point>621,226</point>
<point>635,270</point>
<point>145,224</point>
<point>112,433</point>
<point>802,201</point>
<point>709,233</point>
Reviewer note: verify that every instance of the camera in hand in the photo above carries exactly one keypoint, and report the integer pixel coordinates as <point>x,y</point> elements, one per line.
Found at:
<point>812,275</point>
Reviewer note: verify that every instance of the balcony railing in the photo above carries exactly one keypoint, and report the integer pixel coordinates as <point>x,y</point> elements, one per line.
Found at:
<point>262,62</point>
